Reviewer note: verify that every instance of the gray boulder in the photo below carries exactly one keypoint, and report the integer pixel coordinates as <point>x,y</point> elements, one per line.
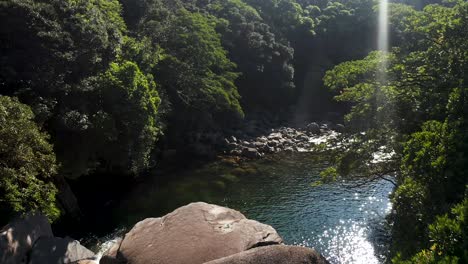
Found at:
<point>313,128</point>
<point>258,144</point>
<point>275,136</point>
<point>194,234</point>
<point>18,237</point>
<point>276,254</point>
<point>250,153</point>
<point>55,250</point>
<point>339,128</point>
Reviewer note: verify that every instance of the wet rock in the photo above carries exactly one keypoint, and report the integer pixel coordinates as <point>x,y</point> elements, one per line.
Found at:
<point>195,234</point>
<point>49,250</point>
<point>110,256</point>
<point>276,254</point>
<point>18,237</point>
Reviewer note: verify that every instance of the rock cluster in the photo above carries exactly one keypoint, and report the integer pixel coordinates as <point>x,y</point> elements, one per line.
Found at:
<point>287,139</point>
<point>193,234</point>
<point>29,240</point>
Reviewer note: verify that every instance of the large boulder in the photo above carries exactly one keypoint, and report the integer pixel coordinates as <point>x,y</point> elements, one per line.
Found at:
<point>55,250</point>
<point>194,234</point>
<point>276,254</point>
<point>18,237</point>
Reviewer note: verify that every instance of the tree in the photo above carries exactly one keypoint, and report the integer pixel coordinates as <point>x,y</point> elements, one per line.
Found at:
<point>48,45</point>
<point>417,116</point>
<point>109,122</point>
<point>27,162</point>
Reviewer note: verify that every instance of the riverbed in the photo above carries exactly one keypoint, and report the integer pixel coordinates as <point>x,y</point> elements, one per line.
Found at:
<point>343,220</point>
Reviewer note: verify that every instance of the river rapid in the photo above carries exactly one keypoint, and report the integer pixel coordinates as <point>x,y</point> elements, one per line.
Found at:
<point>343,220</point>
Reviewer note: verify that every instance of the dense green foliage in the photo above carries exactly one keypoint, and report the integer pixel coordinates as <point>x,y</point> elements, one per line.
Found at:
<point>414,114</point>
<point>27,162</point>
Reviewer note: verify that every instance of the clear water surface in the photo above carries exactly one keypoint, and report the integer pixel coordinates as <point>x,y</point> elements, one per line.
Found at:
<point>345,221</point>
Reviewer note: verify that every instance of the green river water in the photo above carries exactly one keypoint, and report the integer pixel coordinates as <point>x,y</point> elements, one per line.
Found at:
<point>345,221</point>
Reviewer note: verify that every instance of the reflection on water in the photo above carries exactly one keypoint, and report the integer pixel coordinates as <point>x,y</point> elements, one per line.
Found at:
<point>343,222</point>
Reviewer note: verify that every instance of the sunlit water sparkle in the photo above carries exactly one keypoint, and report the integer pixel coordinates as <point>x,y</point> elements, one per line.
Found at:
<point>343,222</point>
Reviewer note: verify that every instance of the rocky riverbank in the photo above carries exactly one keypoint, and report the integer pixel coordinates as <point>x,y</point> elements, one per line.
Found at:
<point>289,139</point>
<point>193,234</point>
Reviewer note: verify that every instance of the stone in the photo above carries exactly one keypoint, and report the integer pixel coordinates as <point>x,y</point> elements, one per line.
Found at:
<point>258,144</point>
<point>110,256</point>
<point>313,128</point>
<point>340,128</point>
<point>275,136</point>
<point>276,254</point>
<point>86,261</point>
<point>18,237</point>
<point>232,145</point>
<point>289,150</point>
<point>250,153</point>
<point>273,143</point>
<point>56,250</point>
<point>235,152</point>
<point>246,143</point>
<point>194,234</point>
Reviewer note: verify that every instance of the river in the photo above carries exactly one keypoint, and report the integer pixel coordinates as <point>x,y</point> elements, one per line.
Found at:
<point>343,220</point>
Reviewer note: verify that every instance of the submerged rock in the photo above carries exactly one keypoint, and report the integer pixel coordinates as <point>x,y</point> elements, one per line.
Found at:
<point>18,237</point>
<point>193,234</point>
<point>55,250</point>
<point>276,254</point>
